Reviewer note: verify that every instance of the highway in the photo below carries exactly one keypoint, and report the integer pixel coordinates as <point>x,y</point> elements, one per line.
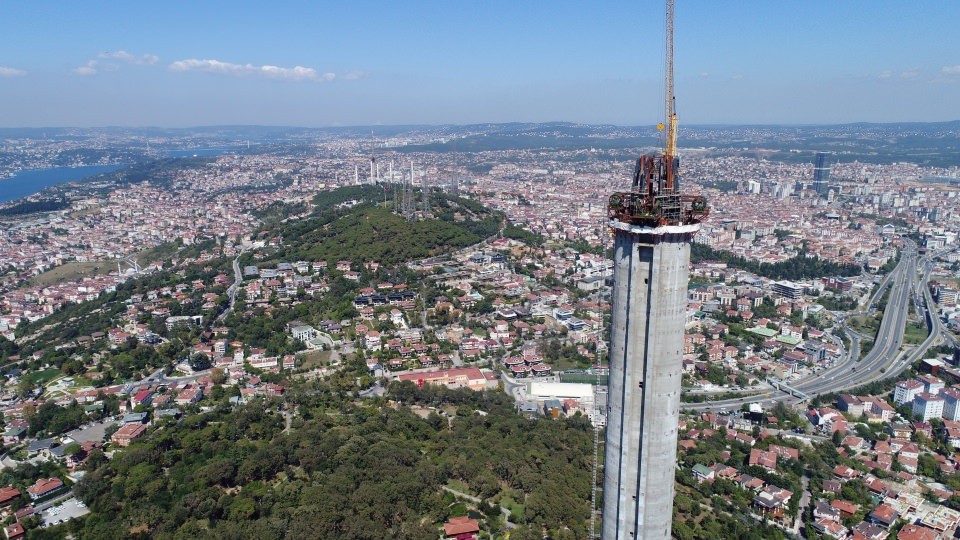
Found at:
<point>883,360</point>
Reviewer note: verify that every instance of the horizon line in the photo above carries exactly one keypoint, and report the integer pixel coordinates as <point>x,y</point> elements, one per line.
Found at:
<point>512,122</point>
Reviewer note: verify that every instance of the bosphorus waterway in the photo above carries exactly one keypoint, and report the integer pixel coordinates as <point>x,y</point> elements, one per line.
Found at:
<point>32,181</point>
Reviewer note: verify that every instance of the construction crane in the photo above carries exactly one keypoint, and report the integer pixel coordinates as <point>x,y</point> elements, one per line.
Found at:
<point>671,100</point>
<point>654,198</point>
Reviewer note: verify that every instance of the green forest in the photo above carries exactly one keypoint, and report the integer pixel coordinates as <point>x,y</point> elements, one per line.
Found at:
<point>802,266</point>
<point>355,223</point>
<point>345,469</point>
<point>31,207</point>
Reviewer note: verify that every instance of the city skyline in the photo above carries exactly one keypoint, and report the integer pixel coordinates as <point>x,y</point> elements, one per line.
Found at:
<point>437,63</point>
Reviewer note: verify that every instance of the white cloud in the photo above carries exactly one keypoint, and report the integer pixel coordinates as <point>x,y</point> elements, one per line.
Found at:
<point>951,70</point>
<point>354,75</point>
<point>885,74</point>
<point>737,77</point>
<point>11,72</point>
<point>296,73</point>
<point>90,68</point>
<point>127,57</point>
<point>910,74</point>
<point>704,75</point>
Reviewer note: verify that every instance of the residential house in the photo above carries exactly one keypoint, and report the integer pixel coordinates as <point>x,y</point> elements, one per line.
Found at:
<point>15,531</point>
<point>772,501</point>
<point>189,395</point>
<point>905,391</point>
<point>851,405</point>
<point>43,487</point>
<point>931,383</point>
<point>126,434</point>
<point>847,509</point>
<point>868,531</point>
<point>703,473</point>
<point>917,532</point>
<point>831,529</point>
<point>883,515</point>
<point>927,405</point>
<point>461,528</point>
<point>823,510</point>
<point>14,435</point>
<point>951,404</point>
<point>8,495</point>
<point>760,458</point>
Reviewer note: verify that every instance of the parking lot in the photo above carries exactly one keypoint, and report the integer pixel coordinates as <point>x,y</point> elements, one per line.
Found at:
<point>91,432</point>
<point>62,512</point>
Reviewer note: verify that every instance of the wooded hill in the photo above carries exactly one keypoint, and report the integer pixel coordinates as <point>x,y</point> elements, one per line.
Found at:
<point>345,469</point>
<point>358,223</point>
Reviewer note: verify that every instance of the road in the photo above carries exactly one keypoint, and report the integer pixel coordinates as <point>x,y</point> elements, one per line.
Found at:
<point>232,291</point>
<point>883,360</point>
<point>802,507</point>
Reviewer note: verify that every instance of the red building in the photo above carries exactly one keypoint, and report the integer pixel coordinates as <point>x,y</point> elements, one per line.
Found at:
<point>461,528</point>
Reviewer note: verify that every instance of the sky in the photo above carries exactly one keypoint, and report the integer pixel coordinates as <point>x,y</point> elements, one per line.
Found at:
<point>362,62</point>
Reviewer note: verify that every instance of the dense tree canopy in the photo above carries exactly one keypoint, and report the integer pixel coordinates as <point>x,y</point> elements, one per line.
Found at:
<point>344,470</point>
<point>800,267</point>
<point>356,223</point>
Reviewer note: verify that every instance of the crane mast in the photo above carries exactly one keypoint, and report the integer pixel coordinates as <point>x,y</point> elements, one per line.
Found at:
<point>671,114</point>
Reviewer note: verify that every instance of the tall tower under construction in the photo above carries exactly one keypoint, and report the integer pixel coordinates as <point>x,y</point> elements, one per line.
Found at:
<point>653,225</point>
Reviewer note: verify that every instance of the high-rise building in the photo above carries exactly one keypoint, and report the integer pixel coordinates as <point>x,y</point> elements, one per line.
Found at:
<point>821,174</point>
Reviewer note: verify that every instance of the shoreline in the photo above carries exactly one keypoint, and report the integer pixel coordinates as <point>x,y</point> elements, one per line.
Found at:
<point>30,182</point>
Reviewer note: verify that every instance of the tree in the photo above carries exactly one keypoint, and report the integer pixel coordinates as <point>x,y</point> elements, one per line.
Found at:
<point>218,376</point>
<point>837,438</point>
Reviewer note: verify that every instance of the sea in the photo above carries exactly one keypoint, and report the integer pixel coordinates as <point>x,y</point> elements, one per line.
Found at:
<point>31,181</point>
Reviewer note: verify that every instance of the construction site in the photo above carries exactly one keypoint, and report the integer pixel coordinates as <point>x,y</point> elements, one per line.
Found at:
<point>652,226</point>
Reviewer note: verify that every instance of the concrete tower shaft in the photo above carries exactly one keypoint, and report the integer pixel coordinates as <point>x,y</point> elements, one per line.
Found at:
<point>651,272</point>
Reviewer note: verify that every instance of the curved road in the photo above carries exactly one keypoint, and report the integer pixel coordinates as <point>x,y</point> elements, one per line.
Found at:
<point>883,360</point>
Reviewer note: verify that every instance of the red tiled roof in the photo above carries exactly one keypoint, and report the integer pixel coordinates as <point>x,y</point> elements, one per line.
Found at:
<point>8,493</point>
<point>460,525</point>
<point>14,531</point>
<point>45,485</point>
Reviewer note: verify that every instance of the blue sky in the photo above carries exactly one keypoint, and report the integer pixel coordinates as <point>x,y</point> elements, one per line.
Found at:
<point>456,61</point>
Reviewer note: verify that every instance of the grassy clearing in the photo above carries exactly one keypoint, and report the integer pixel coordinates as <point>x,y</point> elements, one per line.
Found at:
<point>915,333</point>
<point>516,509</point>
<point>458,485</point>
<point>71,272</point>
<point>41,377</point>
<point>315,359</point>
<point>865,325</point>
<point>163,252</point>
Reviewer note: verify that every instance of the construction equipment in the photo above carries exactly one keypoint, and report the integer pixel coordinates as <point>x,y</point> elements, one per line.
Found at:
<point>654,198</point>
